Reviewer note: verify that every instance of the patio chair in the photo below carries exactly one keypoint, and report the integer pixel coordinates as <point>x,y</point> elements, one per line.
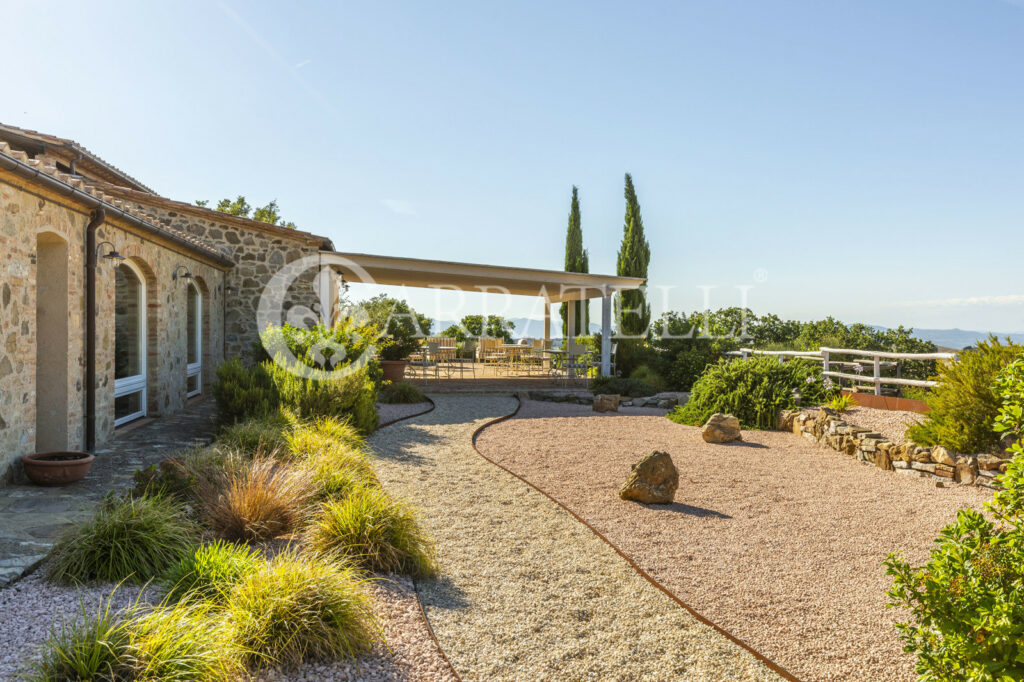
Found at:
<point>467,357</point>
<point>578,362</point>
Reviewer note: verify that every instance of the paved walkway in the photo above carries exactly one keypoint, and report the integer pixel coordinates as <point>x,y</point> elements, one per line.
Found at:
<point>31,517</point>
<point>526,592</point>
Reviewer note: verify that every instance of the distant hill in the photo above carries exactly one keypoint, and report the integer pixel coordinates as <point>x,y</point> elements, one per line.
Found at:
<point>959,338</point>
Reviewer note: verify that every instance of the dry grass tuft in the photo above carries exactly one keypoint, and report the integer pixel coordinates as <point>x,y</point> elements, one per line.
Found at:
<point>258,500</point>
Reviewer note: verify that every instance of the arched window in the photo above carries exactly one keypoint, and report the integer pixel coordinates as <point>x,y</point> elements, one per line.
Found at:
<point>194,342</point>
<point>129,344</point>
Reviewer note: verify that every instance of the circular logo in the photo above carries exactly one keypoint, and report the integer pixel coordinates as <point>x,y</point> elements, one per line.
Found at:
<point>302,294</point>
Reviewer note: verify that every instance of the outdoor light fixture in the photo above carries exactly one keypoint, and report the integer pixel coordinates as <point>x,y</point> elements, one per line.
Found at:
<point>344,284</point>
<point>186,275</point>
<point>113,256</point>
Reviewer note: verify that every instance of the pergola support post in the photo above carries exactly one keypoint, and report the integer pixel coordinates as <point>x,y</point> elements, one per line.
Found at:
<point>606,334</point>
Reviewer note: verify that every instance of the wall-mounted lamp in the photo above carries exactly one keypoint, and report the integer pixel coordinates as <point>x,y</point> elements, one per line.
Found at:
<point>344,284</point>
<point>184,275</point>
<point>230,290</point>
<point>113,256</point>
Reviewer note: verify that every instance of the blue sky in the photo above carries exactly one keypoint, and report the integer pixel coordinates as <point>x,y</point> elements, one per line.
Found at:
<point>863,159</point>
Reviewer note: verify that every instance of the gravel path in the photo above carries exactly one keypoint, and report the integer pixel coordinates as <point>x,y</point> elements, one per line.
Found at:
<point>527,592</point>
<point>890,423</point>
<point>777,540</point>
<point>389,413</point>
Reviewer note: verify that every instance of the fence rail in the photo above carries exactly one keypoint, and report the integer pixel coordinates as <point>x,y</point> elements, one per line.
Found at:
<point>824,355</point>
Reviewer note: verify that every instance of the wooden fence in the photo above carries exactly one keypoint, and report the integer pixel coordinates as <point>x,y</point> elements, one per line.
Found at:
<point>877,360</point>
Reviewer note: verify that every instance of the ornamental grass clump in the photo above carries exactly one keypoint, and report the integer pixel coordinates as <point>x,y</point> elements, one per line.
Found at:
<point>257,500</point>
<point>841,402</point>
<point>377,532</point>
<point>93,646</point>
<point>183,642</point>
<point>967,601</point>
<point>210,571</point>
<point>299,607</point>
<point>256,437</point>
<point>128,539</point>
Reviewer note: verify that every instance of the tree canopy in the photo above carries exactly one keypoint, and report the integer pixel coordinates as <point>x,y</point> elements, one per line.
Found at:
<point>239,206</point>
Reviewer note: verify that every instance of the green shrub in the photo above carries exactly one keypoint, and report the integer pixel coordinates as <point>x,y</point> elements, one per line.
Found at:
<point>243,392</point>
<point>379,533</point>
<point>353,395</point>
<point>647,376</point>
<point>402,393</point>
<point>186,641</point>
<point>967,601</point>
<point>964,405</point>
<point>134,538</point>
<point>210,571</point>
<point>302,606</point>
<point>91,647</point>
<point>617,385</point>
<point>841,402</point>
<point>258,500</point>
<point>753,390</point>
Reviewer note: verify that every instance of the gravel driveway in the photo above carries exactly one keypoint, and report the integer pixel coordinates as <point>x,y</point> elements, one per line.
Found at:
<point>527,592</point>
<point>777,540</point>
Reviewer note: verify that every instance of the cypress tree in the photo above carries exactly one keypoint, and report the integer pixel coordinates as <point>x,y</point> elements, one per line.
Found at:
<point>634,256</point>
<point>576,260</point>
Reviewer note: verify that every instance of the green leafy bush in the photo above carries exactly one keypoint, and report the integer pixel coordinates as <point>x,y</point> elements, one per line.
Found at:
<point>634,388</point>
<point>967,602</point>
<point>134,538</point>
<point>964,405</point>
<point>402,393</point>
<point>90,647</point>
<point>377,532</point>
<point>402,326</point>
<point>753,390</point>
<point>243,392</point>
<point>210,571</point>
<point>647,376</point>
<point>302,606</point>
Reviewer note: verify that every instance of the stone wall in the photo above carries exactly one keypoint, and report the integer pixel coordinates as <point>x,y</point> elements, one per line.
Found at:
<point>828,428</point>
<point>259,251</point>
<point>26,211</point>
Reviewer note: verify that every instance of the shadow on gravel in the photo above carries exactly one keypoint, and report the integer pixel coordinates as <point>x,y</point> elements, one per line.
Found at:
<point>403,439</point>
<point>742,444</point>
<point>442,593</point>
<point>689,510</point>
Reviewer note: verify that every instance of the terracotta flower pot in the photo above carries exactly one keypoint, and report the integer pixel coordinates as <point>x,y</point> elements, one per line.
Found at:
<point>394,370</point>
<point>57,468</point>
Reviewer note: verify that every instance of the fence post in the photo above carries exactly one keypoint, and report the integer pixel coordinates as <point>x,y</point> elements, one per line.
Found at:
<point>878,378</point>
<point>743,353</point>
<point>824,357</point>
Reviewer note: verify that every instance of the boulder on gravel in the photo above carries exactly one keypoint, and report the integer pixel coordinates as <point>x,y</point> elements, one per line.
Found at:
<point>606,403</point>
<point>652,480</point>
<point>721,428</point>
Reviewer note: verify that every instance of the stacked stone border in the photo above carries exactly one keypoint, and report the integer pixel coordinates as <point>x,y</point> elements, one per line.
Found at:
<point>828,428</point>
<point>665,400</point>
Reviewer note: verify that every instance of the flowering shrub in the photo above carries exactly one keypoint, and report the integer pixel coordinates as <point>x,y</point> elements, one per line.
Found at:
<point>967,602</point>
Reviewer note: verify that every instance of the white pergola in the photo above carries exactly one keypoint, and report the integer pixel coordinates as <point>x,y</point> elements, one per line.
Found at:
<point>553,286</point>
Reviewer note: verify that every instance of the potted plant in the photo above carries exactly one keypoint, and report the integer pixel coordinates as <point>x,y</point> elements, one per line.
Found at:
<point>56,468</point>
<point>403,327</point>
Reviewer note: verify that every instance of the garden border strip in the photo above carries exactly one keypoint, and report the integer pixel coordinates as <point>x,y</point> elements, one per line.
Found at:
<point>772,665</point>
<point>415,587</point>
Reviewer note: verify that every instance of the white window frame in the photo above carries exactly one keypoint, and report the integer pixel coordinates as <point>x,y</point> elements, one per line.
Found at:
<point>135,383</point>
<point>195,369</point>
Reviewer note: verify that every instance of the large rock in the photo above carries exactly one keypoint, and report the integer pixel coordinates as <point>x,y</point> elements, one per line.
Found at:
<point>606,403</point>
<point>721,428</point>
<point>652,480</point>
<point>940,455</point>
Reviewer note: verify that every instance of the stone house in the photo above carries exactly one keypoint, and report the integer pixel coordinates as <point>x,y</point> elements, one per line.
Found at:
<point>172,287</point>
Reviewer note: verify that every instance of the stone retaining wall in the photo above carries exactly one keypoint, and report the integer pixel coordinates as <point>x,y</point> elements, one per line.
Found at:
<point>936,463</point>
